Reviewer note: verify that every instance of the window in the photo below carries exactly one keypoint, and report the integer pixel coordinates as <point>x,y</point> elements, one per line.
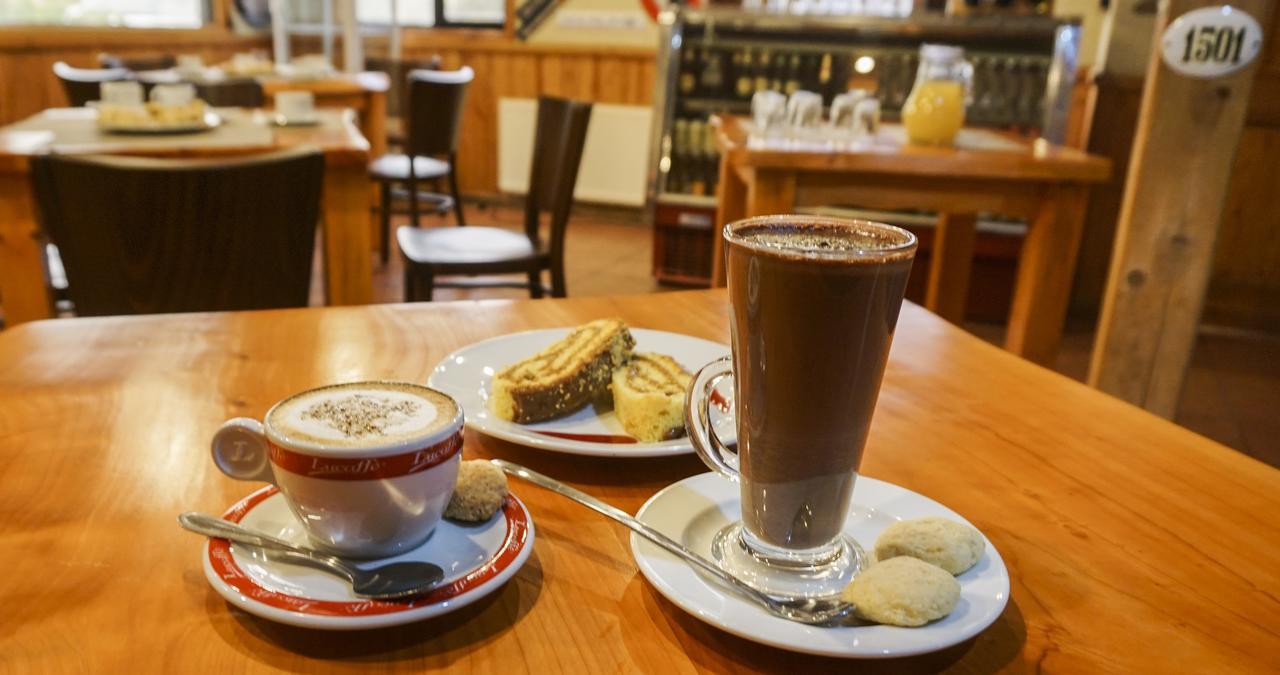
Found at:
<point>474,12</point>
<point>410,12</point>
<point>126,13</point>
<point>416,13</point>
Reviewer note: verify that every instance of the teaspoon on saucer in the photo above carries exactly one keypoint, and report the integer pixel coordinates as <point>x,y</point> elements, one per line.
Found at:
<point>814,612</point>
<point>386,582</point>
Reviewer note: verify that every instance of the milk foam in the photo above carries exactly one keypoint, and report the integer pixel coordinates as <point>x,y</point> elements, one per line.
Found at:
<point>362,415</point>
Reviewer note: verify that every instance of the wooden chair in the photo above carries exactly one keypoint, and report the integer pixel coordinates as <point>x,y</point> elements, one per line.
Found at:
<point>436,101</point>
<point>397,71</point>
<point>82,84</point>
<point>140,236</point>
<point>557,153</point>
<point>232,94</point>
<point>137,63</point>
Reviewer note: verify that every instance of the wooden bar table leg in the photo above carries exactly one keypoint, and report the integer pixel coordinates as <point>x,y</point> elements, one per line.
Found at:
<point>22,277</point>
<point>771,192</point>
<point>950,265</point>
<point>731,205</point>
<point>1045,271</point>
<point>373,126</point>
<point>347,250</point>
<point>373,122</point>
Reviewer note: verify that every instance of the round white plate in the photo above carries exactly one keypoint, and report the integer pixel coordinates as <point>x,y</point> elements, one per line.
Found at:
<point>694,509</point>
<point>466,374</point>
<point>477,560</point>
<point>210,122</point>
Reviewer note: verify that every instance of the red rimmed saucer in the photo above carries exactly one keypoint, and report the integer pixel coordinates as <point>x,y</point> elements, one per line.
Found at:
<point>477,560</point>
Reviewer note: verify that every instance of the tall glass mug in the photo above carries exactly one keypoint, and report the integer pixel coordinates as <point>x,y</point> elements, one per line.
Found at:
<point>815,301</point>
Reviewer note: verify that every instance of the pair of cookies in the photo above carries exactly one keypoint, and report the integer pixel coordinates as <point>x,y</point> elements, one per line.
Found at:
<point>913,581</point>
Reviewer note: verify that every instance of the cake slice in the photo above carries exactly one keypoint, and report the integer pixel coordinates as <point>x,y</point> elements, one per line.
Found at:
<point>648,397</point>
<point>563,377</point>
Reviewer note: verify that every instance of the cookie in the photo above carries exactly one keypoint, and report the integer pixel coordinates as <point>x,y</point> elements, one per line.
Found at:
<point>903,591</point>
<point>950,545</point>
<point>479,492</point>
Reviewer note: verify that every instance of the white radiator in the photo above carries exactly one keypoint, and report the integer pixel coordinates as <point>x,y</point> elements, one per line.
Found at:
<point>615,161</point>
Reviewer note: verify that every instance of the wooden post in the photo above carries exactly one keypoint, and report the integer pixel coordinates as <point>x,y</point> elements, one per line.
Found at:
<point>1186,139</point>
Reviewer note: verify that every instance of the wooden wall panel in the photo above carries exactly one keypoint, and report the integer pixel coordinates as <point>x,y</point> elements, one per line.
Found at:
<point>510,69</point>
<point>1244,290</point>
<point>27,83</point>
<point>570,76</point>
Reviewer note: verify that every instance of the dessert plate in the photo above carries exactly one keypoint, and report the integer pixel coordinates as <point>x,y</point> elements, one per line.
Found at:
<point>477,560</point>
<point>466,375</point>
<point>694,509</point>
<point>210,122</point>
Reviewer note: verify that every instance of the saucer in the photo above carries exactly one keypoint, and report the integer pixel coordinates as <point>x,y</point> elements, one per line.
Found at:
<point>310,120</point>
<point>694,509</point>
<point>477,560</point>
<point>467,373</point>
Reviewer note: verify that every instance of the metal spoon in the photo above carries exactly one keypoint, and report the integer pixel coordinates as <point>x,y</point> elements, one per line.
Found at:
<point>813,611</point>
<point>387,582</point>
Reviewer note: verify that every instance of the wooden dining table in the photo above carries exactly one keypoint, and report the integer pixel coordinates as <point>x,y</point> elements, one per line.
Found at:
<point>1133,545</point>
<point>985,171</point>
<point>348,274</point>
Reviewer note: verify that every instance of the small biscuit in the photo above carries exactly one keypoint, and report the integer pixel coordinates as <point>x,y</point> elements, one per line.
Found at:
<point>903,591</point>
<point>945,543</point>
<point>479,492</point>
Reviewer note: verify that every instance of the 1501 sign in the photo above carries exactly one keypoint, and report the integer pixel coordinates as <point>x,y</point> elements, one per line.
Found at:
<point>1211,42</point>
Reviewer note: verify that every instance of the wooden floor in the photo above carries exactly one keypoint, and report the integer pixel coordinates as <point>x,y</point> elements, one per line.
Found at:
<point>1231,394</point>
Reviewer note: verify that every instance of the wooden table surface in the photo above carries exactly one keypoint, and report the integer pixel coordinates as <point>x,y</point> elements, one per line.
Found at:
<point>1133,544</point>
<point>345,209</point>
<point>984,172</point>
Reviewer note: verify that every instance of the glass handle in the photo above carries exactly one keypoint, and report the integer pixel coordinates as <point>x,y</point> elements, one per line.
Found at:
<point>697,419</point>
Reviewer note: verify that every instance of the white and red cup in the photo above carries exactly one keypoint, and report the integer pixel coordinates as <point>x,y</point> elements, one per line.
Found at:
<point>368,502</point>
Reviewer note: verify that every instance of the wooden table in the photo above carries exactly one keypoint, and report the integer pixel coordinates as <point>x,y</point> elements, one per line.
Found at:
<point>985,172</point>
<point>1133,544</point>
<point>348,272</point>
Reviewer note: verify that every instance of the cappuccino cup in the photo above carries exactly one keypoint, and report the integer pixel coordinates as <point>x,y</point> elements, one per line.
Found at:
<point>367,467</point>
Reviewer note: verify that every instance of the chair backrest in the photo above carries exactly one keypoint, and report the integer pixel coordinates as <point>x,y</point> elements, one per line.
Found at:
<point>397,71</point>
<point>82,84</point>
<point>436,100</point>
<point>140,236</point>
<point>232,94</point>
<point>558,141</point>
<point>135,63</point>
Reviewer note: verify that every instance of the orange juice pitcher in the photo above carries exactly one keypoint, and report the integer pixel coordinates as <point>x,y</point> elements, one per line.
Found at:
<point>934,111</point>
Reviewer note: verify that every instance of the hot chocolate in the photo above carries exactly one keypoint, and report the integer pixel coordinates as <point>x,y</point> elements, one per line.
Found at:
<point>362,414</point>
<point>815,302</point>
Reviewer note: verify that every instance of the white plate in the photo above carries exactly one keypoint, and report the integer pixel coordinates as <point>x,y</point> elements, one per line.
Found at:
<point>694,509</point>
<point>210,122</point>
<point>466,374</point>
<point>477,560</point>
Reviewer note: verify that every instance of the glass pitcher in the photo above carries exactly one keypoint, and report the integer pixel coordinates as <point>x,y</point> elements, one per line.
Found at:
<point>934,111</point>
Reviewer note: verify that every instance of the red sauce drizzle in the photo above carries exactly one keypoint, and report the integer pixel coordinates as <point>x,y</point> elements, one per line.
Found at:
<point>719,401</point>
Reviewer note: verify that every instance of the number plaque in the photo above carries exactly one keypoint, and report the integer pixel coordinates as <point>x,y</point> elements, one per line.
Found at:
<point>1211,42</point>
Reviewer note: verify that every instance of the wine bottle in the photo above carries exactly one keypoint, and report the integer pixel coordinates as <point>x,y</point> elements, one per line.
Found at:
<point>697,175</point>
<point>761,72</point>
<point>712,80</point>
<point>825,78</point>
<point>688,71</point>
<point>745,84</point>
<point>792,84</point>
